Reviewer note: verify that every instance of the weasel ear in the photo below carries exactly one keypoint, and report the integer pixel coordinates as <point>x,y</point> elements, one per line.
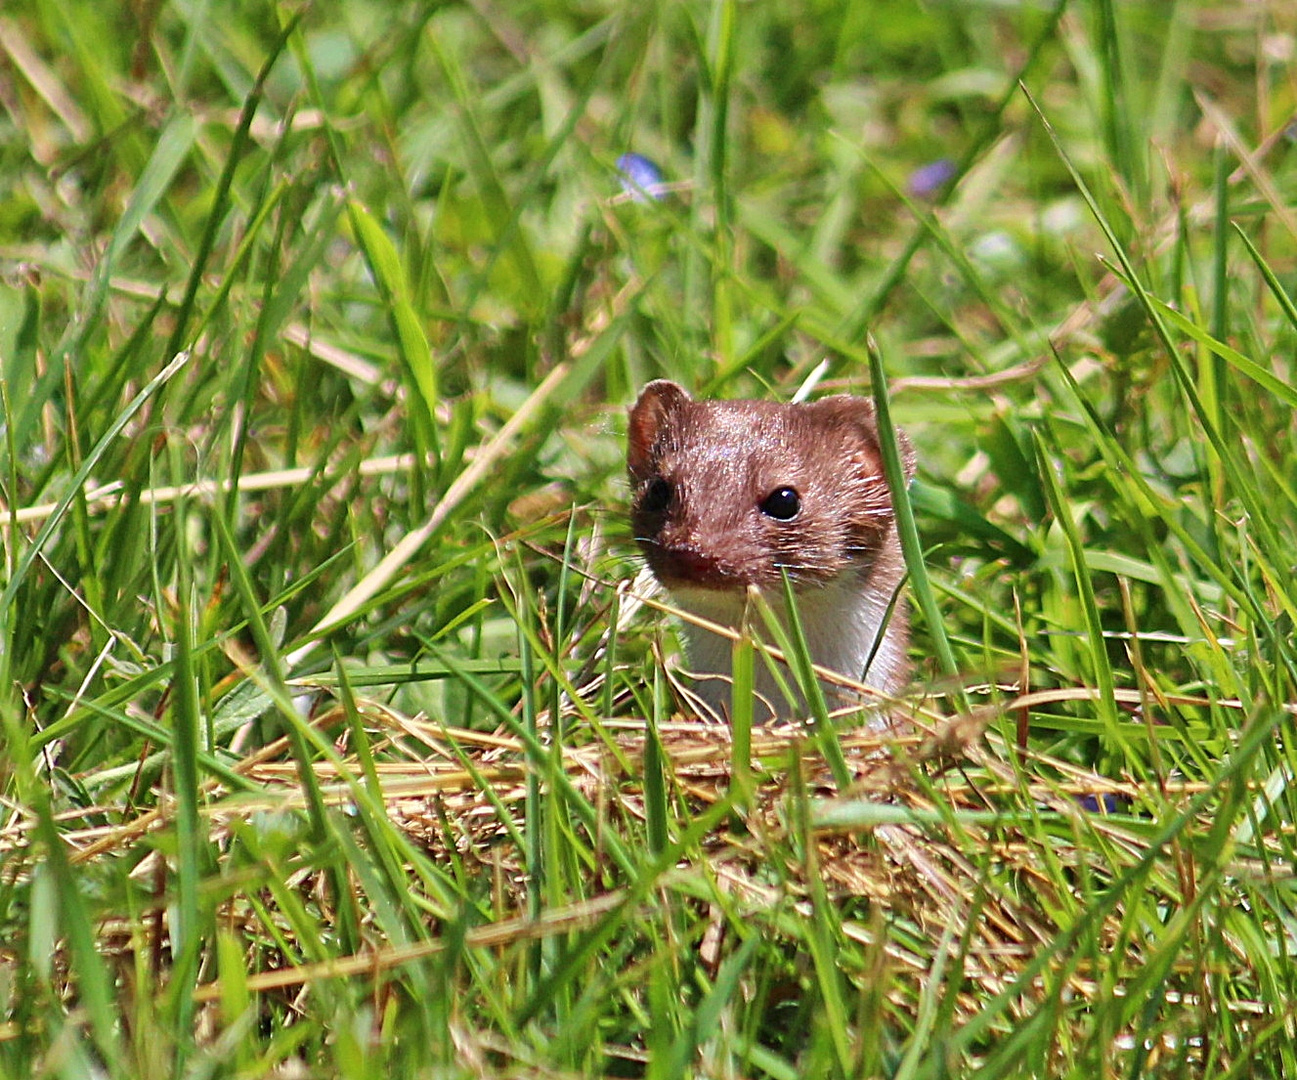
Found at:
<point>655,412</point>
<point>856,414</point>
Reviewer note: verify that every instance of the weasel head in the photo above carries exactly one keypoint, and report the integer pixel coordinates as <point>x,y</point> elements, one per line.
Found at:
<point>727,494</point>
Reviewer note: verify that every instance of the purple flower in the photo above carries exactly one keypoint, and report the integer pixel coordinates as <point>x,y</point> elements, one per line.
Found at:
<point>927,180</point>
<point>640,178</point>
<point>1103,802</point>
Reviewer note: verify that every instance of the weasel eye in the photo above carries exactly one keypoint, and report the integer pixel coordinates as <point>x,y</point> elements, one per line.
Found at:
<point>782,504</point>
<point>657,496</point>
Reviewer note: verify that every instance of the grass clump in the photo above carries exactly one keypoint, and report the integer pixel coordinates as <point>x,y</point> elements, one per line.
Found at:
<point>336,741</point>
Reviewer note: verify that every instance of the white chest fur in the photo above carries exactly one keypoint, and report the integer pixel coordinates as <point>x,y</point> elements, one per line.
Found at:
<point>842,621</point>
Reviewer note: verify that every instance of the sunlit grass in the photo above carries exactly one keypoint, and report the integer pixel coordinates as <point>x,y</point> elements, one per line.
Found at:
<point>339,739</point>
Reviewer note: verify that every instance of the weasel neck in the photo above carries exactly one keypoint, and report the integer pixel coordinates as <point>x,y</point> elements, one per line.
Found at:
<point>847,628</point>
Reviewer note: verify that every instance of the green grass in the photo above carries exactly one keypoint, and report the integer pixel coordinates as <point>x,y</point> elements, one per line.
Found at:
<point>332,742</point>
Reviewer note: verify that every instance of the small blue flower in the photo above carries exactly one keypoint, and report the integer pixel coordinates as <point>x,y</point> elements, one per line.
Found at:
<point>927,180</point>
<point>640,178</point>
<point>1103,802</point>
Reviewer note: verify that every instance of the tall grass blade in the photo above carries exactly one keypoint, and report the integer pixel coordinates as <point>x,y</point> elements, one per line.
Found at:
<point>88,464</point>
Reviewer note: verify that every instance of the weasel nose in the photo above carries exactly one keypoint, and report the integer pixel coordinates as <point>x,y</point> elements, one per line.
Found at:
<point>686,564</point>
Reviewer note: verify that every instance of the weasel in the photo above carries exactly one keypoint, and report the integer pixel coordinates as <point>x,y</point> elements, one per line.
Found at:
<point>730,494</point>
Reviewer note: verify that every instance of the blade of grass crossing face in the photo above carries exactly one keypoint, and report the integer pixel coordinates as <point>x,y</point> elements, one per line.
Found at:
<point>906,527</point>
<point>800,659</point>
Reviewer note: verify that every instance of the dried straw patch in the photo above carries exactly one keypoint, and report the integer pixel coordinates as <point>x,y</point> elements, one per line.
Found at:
<point>922,855</point>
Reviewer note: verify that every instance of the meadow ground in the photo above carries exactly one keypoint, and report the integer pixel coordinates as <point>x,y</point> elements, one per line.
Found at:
<point>333,741</point>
